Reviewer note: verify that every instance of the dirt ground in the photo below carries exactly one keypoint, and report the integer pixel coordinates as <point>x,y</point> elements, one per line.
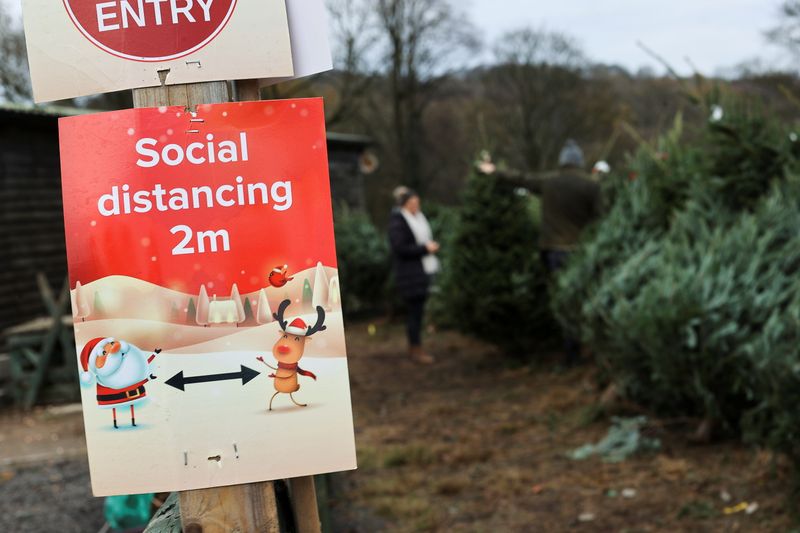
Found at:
<point>49,497</point>
<point>470,445</point>
<point>467,444</point>
<point>44,475</point>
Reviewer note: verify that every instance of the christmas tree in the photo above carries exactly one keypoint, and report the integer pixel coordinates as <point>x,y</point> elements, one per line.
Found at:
<point>686,289</point>
<point>308,295</point>
<point>248,311</point>
<point>191,313</point>
<point>493,284</point>
<point>263,310</point>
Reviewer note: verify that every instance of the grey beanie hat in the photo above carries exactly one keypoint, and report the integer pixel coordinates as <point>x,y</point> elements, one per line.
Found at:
<point>571,155</point>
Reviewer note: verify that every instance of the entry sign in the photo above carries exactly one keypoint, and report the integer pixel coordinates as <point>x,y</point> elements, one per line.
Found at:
<point>80,47</point>
<point>205,293</point>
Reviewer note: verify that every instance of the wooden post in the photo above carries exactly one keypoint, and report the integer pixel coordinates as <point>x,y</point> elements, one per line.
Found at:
<point>251,507</point>
<point>247,90</point>
<point>304,504</point>
<point>243,508</point>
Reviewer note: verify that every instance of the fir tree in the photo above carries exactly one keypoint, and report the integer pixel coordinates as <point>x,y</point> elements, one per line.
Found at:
<point>248,311</point>
<point>308,294</point>
<point>493,285</point>
<point>191,313</point>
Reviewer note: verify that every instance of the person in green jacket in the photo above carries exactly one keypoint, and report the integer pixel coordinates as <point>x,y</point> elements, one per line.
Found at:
<point>570,200</point>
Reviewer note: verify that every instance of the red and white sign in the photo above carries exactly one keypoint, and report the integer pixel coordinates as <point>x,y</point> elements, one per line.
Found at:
<point>206,296</point>
<point>80,47</point>
<point>150,30</point>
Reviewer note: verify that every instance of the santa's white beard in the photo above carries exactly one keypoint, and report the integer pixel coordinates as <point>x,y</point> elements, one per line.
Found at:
<point>132,370</point>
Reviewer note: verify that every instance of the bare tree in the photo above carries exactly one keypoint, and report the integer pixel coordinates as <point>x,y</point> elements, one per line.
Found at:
<point>425,40</point>
<point>787,32</point>
<point>541,95</point>
<point>531,47</point>
<point>354,35</point>
<point>14,79</point>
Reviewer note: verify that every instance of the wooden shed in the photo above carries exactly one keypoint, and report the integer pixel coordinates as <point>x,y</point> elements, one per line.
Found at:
<point>32,236</point>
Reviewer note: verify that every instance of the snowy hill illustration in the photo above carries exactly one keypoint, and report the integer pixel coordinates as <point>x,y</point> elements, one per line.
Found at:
<point>153,316</point>
<point>126,297</point>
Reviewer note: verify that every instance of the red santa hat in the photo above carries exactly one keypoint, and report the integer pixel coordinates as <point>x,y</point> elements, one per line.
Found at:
<point>297,327</point>
<point>86,354</point>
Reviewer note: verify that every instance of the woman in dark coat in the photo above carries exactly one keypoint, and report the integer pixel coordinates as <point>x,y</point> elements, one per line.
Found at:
<point>415,263</point>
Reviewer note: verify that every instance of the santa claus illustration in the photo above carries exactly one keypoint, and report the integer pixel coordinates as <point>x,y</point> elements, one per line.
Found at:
<point>121,370</point>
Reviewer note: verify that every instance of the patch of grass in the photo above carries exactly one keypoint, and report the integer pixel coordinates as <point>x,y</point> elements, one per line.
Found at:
<point>384,486</point>
<point>402,508</point>
<point>698,509</point>
<point>590,414</point>
<point>368,457</point>
<point>451,485</point>
<point>409,455</point>
<point>553,420</point>
<point>427,521</point>
<point>508,428</point>
<point>467,454</point>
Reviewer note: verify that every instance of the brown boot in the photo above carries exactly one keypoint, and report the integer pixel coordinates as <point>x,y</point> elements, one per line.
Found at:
<point>418,355</point>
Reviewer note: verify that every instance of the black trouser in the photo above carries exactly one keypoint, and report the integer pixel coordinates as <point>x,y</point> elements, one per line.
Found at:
<point>555,260</point>
<point>415,311</point>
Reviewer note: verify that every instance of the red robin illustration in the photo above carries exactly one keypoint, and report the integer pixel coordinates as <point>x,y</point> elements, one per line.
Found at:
<point>279,276</point>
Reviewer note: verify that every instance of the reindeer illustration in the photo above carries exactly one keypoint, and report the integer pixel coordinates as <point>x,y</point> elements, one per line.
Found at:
<point>288,350</point>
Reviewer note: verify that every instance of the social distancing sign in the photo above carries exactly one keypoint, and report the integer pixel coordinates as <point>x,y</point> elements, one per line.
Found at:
<point>205,295</point>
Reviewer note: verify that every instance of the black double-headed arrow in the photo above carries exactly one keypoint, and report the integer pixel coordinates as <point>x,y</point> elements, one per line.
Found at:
<point>179,381</point>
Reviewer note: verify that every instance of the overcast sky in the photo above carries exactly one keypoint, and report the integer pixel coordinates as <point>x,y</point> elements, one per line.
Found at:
<point>714,34</point>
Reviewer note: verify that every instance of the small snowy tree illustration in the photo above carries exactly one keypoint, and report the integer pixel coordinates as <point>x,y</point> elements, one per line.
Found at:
<point>248,311</point>
<point>334,296</point>
<point>191,312</point>
<point>81,306</point>
<point>237,299</point>
<point>202,307</point>
<point>263,310</point>
<point>308,295</point>
<point>98,309</point>
<point>320,296</point>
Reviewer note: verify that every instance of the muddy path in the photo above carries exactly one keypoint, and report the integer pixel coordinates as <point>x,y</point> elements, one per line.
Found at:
<point>469,444</point>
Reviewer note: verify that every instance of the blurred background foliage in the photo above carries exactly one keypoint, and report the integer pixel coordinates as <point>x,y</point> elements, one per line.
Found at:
<point>688,287</point>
